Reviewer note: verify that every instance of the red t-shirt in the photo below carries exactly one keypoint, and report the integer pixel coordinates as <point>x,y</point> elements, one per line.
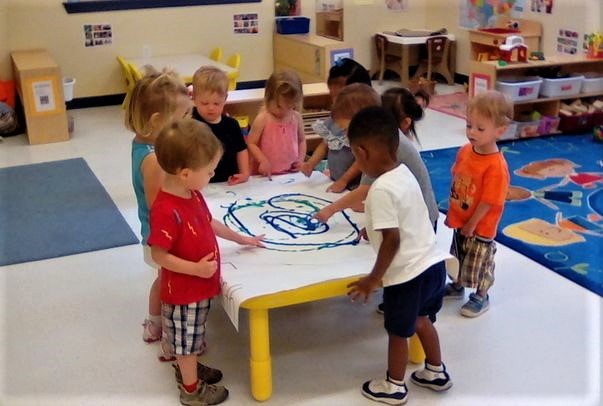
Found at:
<point>478,178</point>
<point>183,227</point>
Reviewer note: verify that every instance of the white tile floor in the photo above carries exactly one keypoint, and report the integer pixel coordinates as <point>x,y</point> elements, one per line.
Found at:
<point>71,326</point>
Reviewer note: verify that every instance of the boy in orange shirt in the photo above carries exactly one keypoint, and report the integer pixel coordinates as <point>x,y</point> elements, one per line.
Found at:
<point>480,180</point>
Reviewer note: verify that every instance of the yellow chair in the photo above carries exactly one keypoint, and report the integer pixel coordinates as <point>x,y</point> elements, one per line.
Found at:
<point>216,54</point>
<point>136,73</point>
<point>234,61</point>
<point>128,79</point>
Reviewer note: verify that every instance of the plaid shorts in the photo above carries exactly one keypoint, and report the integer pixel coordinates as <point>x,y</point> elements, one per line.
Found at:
<point>476,260</point>
<point>184,327</point>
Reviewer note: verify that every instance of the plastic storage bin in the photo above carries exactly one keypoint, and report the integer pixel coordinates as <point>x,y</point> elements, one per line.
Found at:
<point>527,129</point>
<point>569,86</point>
<point>292,25</point>
<point>548,125</point>
<point>519,88</point>
<point>592,83</point>
<point>576,123</point>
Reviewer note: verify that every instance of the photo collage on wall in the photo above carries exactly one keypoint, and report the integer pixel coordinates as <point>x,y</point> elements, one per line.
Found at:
<point>245,23</point>
<point>542,6</point>
<point>97,35</point>
<point>567,41</point>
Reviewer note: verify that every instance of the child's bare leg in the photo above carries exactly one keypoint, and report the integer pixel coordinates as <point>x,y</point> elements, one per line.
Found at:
<point>188,368</point>
<point>154,298</point>
<point>397,357</point>
<point>430,341</point>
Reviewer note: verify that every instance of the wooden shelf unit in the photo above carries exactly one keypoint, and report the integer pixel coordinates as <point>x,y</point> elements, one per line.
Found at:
<point>307,54</point>
<point>491,72</point>
<point>488,42</point>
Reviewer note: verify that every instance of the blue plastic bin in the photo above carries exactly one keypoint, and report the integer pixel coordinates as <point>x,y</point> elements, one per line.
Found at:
<point>292,25</point>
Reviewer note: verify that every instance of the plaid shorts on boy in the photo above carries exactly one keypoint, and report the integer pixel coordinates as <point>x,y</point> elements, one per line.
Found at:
<point>476,260</point>
<point>184,327</point>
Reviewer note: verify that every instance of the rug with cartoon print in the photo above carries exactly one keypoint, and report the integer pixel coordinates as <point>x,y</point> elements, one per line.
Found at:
<point>554,208</point>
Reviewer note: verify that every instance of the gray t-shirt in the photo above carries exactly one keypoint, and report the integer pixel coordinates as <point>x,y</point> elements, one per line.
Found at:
<point>339,157</point>
<point>408,155</point>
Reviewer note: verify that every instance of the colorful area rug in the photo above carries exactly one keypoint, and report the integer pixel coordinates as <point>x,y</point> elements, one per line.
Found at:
<point>454,104</point>
<point>554,210</point>
<point>55,209</point>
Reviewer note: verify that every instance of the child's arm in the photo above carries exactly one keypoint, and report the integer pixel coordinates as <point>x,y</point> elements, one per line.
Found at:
<point>205,268</point>
<point>319,153</point>
<point>350,199</point>
<point>253,140</point>
<point>365,286</point>
<point>340,184</point>
<point>224,232</point>
<point>243,165</point>
<point>152,177</point>
<point>468,230</point>
<point>301,141</point>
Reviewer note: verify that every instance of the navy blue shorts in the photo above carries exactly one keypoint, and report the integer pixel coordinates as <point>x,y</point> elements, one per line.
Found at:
<point>421,296</point>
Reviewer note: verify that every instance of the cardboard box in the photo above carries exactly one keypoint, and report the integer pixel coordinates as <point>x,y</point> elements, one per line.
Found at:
<point>39,84</point>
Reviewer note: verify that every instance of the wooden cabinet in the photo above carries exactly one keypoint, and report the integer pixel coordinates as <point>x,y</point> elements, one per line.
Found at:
<point>309,55</point>
<point>485,42</point>
<point>483,75</point>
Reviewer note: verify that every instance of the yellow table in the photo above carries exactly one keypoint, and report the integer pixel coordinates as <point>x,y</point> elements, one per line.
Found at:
<point>260,363</point>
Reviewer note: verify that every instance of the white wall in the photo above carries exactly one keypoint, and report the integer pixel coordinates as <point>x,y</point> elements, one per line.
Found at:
<point>4,41</point>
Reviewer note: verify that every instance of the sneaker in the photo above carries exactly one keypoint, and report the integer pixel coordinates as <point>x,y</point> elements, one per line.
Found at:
<point>452,292</point>
<point>475,306</point>
<point>385,391</point>
<point>162,356</point>
<point>204,373</point>
<point>380,309</point>
<point>151,332</point>
<point>205,394</point>
<point>432,379</point>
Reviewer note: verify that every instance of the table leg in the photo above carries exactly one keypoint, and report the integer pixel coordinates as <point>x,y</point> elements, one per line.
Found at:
<point>404,62</point>
<point>416,355</point>
<point>260,364</point>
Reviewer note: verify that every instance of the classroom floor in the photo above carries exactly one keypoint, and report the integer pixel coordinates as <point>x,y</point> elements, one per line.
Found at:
<point>71,331</point>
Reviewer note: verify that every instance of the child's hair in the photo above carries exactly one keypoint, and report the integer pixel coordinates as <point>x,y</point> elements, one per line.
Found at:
<point>352,71</point>
<point>492,105</point>
<point>422,94</point>
<point>403,104</point>
<point>156,92</point>
<point>285,84</point>
<point>210,79</point>
<point>186,143</point>
<point>352,99</point>
<point>377,125</point>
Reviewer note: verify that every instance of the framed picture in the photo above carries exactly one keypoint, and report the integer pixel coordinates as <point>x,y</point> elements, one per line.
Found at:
<point>338,54</point>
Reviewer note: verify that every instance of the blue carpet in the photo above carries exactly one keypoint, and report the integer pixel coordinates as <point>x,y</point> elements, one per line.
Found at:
<point>556,215</point>
<point>55,209</point>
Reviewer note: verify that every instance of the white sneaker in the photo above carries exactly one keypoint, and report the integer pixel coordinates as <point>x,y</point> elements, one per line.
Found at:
<point>385,391</point>
<point>428,377</point>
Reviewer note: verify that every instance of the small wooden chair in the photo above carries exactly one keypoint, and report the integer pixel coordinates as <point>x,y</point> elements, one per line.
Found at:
<point>234,61</point>
<point>438,56</point>
<point>386,60</point>
<point>216,54</point>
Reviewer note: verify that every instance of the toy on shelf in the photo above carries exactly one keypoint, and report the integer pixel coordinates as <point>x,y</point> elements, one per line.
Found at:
<point>594,43</point>
<point>513,50</point>
<point>536,56</point>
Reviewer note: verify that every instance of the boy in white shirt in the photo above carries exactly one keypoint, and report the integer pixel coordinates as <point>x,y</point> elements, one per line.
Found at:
<point>408,266</point>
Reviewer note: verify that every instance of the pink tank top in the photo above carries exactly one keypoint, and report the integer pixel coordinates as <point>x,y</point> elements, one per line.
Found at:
<point>279,142</point>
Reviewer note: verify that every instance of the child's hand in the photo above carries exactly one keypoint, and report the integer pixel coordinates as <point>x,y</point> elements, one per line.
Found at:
<point>468,230</point>
<point>207,266</point>
<point>362,235</point>
<point>324,214</point>
<point>362,288</point>
<point>337,187</point>
<point>358,207</point>
<point>306,169</point>
<point>265,169</point>
<point>295,167</point>
<point>237,178</point>
<point>252,241</point>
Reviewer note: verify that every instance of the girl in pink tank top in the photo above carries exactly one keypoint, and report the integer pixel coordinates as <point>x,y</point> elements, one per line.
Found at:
<point>276,141</point>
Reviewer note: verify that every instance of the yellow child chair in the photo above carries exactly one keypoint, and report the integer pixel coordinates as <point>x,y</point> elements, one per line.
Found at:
<point>234,61</point>
<point>136,73</point>
<point>128,78</point>
<point>216,54</point>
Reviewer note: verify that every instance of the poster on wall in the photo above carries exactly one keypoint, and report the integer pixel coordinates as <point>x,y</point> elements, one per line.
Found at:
<point>485,13</point>
<point>97,35</point>
<point>567,41</point>
<point>286,8</point>
<point>541,6</point>
<point>396,5</point>
<point>245,23</point>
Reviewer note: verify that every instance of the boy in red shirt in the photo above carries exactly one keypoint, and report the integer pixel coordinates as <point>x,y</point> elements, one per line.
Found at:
<point>183,242</point>
<point>480,180</point>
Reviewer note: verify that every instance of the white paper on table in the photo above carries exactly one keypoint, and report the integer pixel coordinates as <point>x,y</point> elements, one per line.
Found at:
<point>299,250</point>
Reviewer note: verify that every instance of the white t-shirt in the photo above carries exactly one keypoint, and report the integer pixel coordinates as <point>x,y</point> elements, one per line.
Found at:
<point>395,201</point>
